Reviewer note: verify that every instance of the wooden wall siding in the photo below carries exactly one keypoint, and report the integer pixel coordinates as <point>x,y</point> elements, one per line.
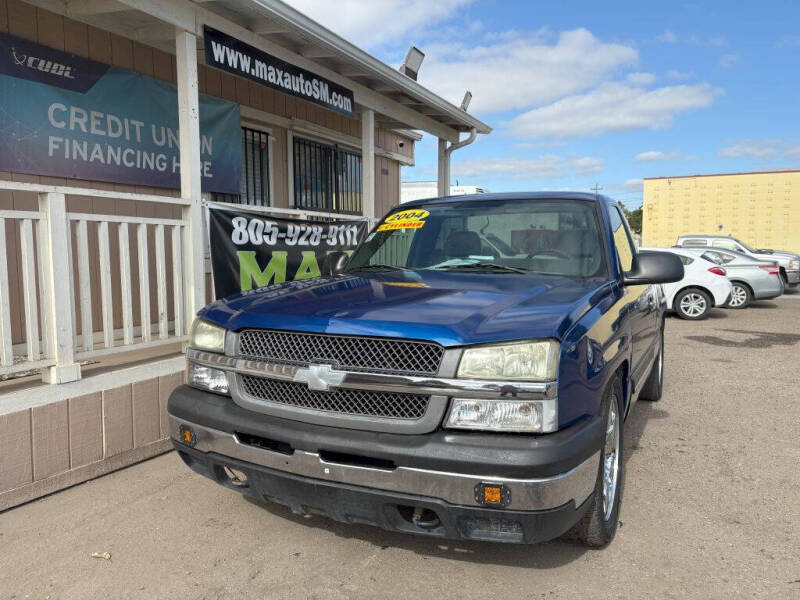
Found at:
<point>50,439</point>
<point>16,459</point>
<point>117,420</point>
<point>45,27</point>
<point>85,429</point>
<point>66,442</point>
<point>146,420</point>
<point>387,190</point>
<point>166,384</point>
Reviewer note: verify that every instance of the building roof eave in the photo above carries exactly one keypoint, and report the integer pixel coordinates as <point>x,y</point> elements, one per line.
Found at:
<point>404,85</point>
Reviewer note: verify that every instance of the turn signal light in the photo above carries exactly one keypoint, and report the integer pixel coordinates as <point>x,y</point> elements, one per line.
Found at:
<point>718,271</point>
<point>187,435</point>
<point>492,494</point>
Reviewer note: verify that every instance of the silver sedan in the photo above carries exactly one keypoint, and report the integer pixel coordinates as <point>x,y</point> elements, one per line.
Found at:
<point>751,279</point>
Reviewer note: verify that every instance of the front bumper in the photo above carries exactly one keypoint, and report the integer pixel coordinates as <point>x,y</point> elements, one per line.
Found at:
<point>792,277</point>
<point>380,478</point>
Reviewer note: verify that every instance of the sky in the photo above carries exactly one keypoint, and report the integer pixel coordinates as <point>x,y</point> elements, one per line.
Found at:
<point>583,93</point>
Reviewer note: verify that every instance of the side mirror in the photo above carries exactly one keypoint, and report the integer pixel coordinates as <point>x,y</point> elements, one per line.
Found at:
<point>654,267</point>
<point>335,262</point>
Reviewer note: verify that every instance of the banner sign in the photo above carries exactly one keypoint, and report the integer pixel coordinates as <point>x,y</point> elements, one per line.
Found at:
<point>66,116</point>
<point>231,55</point>
<point>250,250</point>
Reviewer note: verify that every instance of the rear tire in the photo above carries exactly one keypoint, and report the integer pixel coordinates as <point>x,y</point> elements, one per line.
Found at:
<point>654,385</point>
<point>692,304</point>
<point>597,527</point>
<point>741,296</point>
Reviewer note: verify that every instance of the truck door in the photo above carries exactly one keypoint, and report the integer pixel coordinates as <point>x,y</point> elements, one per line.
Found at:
<point>641,305</point>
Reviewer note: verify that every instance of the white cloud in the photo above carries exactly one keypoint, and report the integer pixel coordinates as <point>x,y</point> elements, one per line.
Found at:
<point>373,23</point>
<point>728,60</point>
<point>633,185</point>
<point>670,37</point>
<point>679,75</point>
<point>640,78</point>
<point>655,155</point>
<point>587,164</point>
<point>667,36</point>
<point>541,167</point>
<point>788,41</point>
<point>763,149</point>
<point>613,107</point>
<point>518,71</point>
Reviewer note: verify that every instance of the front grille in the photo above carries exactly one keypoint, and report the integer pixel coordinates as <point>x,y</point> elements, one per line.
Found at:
<point>342,401</point>
<point>348,353</point>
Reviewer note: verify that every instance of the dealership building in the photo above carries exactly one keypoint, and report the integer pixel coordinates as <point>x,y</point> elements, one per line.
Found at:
<point>418,190</point>
<point>761,209</point>
<point>120,121</point>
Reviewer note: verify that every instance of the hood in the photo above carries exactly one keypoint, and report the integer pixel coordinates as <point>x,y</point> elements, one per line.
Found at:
<point>449,308</point>
<point>781,257</point>
<point>781,253</point>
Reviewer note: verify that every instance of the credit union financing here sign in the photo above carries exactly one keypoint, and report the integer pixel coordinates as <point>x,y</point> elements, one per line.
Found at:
<point>231,55</point>
<point>66,116</point>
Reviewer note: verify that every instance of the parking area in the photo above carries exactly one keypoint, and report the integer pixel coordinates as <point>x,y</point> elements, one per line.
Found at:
<point>710,509</point>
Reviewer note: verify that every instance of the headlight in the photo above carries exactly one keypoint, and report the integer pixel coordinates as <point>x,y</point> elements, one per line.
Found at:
<point>534,416</point>
<point>206,336</point>
<point>208,378</point>
<point>529,361</point>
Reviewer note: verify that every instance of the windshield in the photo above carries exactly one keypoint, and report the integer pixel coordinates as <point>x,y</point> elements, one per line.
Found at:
<point>745,246</point>
<point>550,237</point>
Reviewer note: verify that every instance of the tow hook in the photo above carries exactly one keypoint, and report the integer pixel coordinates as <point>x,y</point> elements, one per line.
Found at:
<point>425,518</point>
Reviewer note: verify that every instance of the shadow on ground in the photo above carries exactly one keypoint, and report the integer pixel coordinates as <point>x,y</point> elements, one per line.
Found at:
<point>755,339</point>
<point>541,556</point>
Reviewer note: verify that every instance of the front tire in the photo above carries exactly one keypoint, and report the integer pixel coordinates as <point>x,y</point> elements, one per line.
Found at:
<point>654,385</point>
<point>598,526</point>
<point>741,296</point>
<point>692,304</point>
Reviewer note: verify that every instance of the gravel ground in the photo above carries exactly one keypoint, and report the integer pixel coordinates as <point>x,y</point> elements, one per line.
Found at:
<point>710,509</point>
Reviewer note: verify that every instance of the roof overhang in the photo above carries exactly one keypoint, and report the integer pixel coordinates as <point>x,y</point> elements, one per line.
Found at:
<point>400,103</point>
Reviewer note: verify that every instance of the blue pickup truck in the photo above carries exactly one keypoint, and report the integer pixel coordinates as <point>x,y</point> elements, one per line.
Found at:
<point>465,374</point>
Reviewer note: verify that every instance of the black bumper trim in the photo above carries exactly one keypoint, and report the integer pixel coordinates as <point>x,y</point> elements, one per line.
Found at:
<point>504,455</point>
<point>389,510</point>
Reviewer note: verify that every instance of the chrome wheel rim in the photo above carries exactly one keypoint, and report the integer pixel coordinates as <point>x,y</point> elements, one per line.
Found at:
<point>661,363</point>
<point>738,296</point>
<point>693,304</point>
<point>611,460</point>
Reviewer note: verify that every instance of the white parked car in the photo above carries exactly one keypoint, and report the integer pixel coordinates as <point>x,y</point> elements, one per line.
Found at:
<point>704,286</point>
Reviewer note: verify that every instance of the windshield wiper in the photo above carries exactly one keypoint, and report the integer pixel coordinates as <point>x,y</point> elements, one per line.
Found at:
<point>483,266</point>
<point>380,267</point>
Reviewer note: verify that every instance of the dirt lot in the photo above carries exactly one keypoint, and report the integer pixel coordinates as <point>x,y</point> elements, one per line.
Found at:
<point>711,509</point>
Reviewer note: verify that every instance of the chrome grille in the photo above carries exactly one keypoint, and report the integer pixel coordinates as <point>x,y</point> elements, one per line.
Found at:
<point>342,401</point>
<point>347,353</point>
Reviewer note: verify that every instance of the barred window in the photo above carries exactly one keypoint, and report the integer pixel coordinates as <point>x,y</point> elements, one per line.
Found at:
<point>254,188</point>
<point>326,178</point>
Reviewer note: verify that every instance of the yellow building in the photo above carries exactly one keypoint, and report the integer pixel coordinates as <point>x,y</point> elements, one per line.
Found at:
<point>762,208</point>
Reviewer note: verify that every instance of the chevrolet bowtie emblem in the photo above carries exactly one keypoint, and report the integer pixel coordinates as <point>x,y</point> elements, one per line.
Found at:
<point>320,378</point>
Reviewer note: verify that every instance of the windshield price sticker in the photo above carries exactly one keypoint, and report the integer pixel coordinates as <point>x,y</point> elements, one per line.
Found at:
<point>405,219</point>
<point>263,231</point>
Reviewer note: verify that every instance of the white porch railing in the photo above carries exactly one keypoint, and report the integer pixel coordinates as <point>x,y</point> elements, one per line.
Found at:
<point>77,273</point>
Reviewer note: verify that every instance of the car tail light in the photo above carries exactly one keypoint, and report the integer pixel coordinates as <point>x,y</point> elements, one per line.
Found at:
<point>771,269</point>
<point>718,271</point>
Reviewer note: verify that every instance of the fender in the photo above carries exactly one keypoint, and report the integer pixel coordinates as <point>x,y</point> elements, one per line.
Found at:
<point>594,348</point>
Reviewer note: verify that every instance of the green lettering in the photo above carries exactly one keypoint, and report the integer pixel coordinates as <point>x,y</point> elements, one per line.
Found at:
<point>309,268</point>
<point>250,272</point>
